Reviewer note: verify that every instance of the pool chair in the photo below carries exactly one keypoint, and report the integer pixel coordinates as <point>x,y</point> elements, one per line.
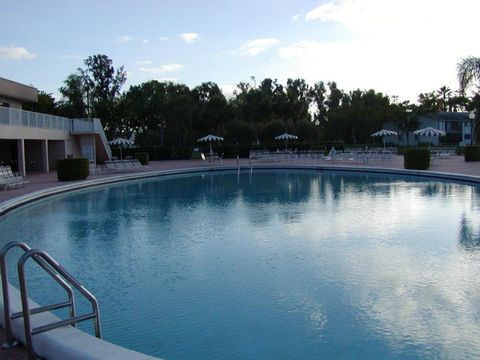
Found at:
<point>11,179</point>
<point>94,169</point>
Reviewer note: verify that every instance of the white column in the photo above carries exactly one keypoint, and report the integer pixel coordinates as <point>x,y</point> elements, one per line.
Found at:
<point>21,156</point>
<point>46,167</point>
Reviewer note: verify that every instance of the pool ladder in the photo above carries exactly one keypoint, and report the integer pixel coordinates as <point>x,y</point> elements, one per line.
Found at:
<point>57,273</point>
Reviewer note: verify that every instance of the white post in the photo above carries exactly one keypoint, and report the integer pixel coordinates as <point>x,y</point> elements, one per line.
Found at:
<point>21,156</point>
<point>45,165</point>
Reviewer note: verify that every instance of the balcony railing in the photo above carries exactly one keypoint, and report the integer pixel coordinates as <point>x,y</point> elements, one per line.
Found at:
<point>23,118</point>
<point>83,125</point>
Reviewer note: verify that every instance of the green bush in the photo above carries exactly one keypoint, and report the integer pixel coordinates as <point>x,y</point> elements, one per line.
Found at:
<point>416,159</point>
<point>460,150</point>
<point>142,157</point>
<point>72,169</point>
<point>472,153</point>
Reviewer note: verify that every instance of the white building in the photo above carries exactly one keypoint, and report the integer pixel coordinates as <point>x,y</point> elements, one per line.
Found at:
<point>457,125</point>
<point>32,141</point>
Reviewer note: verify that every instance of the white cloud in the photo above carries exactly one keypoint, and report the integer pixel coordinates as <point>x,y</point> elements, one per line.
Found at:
<point>162,69</point>
<point>189,37</point>
<point>391,47</point>
<point>144,62</point>
<point>257,46</point>
<point>124,39</point>
<point>296,17</point>
<point>15,53</point>
<point>163,38</point>
<point>145,41</point>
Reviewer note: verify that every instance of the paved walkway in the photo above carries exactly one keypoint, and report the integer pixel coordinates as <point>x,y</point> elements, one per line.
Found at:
<point>41,181</point>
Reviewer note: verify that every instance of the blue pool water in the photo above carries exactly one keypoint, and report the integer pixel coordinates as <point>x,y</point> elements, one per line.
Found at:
<point>271,265</point>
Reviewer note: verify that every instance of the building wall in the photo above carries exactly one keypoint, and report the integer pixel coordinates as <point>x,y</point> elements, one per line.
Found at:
<point>21,93</point>
<point>19,132</point>
<point>11,103</point>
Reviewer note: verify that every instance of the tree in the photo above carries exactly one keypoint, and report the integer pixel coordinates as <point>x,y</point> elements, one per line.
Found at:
<point>468,72</point>
<point>445,94</point>
<point>94,91</point>
<point>210,108</point>
<point>46,104</point>
<point>469,75</point>
<point>73,102</point>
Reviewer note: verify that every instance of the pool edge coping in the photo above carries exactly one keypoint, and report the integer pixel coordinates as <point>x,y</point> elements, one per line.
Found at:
<point>16,202</point>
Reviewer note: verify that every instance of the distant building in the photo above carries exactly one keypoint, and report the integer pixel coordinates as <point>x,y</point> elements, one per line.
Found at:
<point>32,141</point>
<point>457,125</point>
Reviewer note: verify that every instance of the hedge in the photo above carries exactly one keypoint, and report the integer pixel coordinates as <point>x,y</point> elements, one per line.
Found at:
<point>142,157</point>
<point>472,153</point>
<point>416,159</point>
<point>72,169</point>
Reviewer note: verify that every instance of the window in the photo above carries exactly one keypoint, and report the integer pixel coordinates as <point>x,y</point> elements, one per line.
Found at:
<point>467,136</point>
<point>453,126</point>
<point>466,125</point>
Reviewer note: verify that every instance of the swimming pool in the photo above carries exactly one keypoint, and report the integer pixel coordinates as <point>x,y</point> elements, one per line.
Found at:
<point>273,264</point>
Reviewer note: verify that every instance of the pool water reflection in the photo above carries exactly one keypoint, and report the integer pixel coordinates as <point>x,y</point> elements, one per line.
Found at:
<point>271,265</point>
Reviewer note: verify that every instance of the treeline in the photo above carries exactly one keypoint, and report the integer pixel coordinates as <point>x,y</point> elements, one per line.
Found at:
<point>172,116</point>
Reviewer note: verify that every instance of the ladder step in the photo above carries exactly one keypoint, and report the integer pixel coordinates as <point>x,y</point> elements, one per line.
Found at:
<point>61,323</point>
<point>43,309</point>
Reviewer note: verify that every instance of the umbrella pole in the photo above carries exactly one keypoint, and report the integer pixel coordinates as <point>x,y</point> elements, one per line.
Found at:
<point>121,155</point>
<point>211,150</point>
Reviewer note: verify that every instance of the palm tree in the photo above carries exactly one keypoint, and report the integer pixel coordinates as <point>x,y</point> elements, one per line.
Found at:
<point>468,72</point>
<point>445,94</point>
<point>468,75</point>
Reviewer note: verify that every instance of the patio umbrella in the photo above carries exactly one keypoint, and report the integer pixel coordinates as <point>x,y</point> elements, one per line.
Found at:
<point>286,137</point>
<point>429,131</point>
<point>210,138</point>
<point>120,142</point>
<point>384,133</point>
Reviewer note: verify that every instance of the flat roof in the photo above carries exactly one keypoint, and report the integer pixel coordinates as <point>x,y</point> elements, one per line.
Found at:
<point>13,90</point>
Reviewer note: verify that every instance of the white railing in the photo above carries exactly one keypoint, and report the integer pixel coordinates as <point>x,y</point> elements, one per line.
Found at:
<point>83,125</point>
<point>23,118</point>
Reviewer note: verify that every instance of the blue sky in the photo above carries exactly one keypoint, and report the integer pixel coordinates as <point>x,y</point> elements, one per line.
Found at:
<point>397,47</point>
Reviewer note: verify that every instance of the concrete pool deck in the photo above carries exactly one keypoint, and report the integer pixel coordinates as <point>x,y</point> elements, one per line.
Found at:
<point>41,181</point>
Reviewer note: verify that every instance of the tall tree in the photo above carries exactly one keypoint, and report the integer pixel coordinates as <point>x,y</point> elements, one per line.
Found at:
<point>468,72</point>
<point>73,102</point>
<point>94,91</point>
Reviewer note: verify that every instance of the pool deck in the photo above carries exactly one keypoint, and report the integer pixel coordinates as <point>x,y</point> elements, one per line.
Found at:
<point>42,181</point>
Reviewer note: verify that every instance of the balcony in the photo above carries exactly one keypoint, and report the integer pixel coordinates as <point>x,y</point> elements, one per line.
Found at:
<point>30,119</point>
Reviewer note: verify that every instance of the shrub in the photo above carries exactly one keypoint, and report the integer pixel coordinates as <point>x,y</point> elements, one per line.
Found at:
<point>416,159</point>
<point>72,169</point>
<point>460,150</point>
<point>472,153</point>
<point>142,157</point>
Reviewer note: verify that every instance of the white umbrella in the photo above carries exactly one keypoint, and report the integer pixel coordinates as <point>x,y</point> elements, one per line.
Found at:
<point>121,142</point>
<point>429,131</point>
<point>286,137</point>
<point>384,133</point>
<point>210,138</point>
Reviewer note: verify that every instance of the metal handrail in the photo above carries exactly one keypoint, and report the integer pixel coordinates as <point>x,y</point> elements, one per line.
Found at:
<point>58,270</point>
<point>8,317</point>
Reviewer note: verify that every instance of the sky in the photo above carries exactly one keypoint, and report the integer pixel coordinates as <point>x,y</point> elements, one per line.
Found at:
<point>398,47</point>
